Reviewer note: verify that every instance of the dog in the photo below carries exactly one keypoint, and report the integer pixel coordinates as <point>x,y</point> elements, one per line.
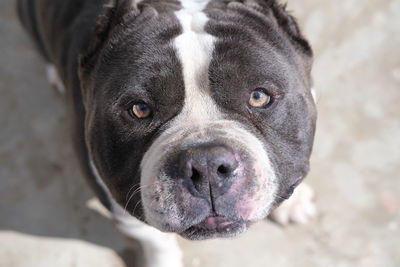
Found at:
<point>194,117</point>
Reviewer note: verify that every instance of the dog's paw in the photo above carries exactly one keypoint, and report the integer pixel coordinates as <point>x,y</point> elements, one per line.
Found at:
<point>299,208</point>
<point>54,79</point>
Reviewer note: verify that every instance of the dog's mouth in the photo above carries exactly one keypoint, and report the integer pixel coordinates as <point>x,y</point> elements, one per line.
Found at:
<point>215,226</point>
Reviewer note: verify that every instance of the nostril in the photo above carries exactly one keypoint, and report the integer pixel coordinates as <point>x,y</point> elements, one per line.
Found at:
<point>195,176</point>
<point>223,170</point>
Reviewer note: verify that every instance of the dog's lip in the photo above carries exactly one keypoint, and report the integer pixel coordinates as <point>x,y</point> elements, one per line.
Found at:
<point>215,226</point>
<point>214,222</point>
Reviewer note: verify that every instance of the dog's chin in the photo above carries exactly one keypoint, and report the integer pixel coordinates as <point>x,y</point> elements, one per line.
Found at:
<point>215,227</point>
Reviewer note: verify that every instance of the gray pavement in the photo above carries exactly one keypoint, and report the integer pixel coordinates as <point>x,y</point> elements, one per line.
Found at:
<point>45,218</point>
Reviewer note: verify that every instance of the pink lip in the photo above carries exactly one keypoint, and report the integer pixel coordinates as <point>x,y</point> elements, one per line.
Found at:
<point>214,222</point>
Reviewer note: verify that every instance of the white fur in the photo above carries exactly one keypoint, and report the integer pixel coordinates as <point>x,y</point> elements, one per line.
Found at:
<point>299,208</point>
<point>54,79</point>
<point>161,249</point>
<point>314,93</point>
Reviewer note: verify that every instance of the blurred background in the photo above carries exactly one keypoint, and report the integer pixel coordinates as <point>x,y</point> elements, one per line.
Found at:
<point>45,218</point>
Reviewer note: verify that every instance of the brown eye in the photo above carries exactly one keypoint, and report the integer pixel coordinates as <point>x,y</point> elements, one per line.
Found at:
<point>140,111</point>
<point>259,99</point>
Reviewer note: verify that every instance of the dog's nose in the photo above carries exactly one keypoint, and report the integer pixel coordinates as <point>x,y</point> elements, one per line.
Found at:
<point>210,169</point>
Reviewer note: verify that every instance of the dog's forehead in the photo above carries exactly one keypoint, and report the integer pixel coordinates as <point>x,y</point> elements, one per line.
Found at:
<point>187,43</point>
<point>241,33</point>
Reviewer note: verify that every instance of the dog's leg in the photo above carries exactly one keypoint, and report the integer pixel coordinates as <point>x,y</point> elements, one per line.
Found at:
<point>299,208</point>
<point>54,79</point>
<point>161,249</point>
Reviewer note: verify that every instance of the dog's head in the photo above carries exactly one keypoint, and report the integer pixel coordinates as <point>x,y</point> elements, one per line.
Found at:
<point>199,115</point>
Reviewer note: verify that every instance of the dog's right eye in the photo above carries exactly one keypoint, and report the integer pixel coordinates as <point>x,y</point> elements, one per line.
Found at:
<point>140,111</point>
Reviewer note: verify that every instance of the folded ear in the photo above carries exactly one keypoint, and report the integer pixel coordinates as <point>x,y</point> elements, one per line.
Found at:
<point>289,25</point>
<point>114,13</point>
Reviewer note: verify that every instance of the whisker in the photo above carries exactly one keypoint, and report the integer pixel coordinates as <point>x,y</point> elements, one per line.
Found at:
<point>133,194</point>
<point>140,201</point>
<point>127,194</point>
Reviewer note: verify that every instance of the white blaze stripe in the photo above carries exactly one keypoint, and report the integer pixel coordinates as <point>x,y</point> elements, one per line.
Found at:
<point>194,48</point>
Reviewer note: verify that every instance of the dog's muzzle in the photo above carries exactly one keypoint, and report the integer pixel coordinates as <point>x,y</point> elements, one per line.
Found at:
<point>208,183</point>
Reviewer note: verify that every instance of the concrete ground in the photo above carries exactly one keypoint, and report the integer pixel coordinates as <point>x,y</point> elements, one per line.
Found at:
<point>44,216</point>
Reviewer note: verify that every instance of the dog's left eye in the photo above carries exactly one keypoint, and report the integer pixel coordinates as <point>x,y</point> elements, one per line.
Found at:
<point>259,99</point>
<point>140,111</point>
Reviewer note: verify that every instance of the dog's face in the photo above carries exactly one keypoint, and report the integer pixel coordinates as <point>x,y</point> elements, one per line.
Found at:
<point>199,122</point>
